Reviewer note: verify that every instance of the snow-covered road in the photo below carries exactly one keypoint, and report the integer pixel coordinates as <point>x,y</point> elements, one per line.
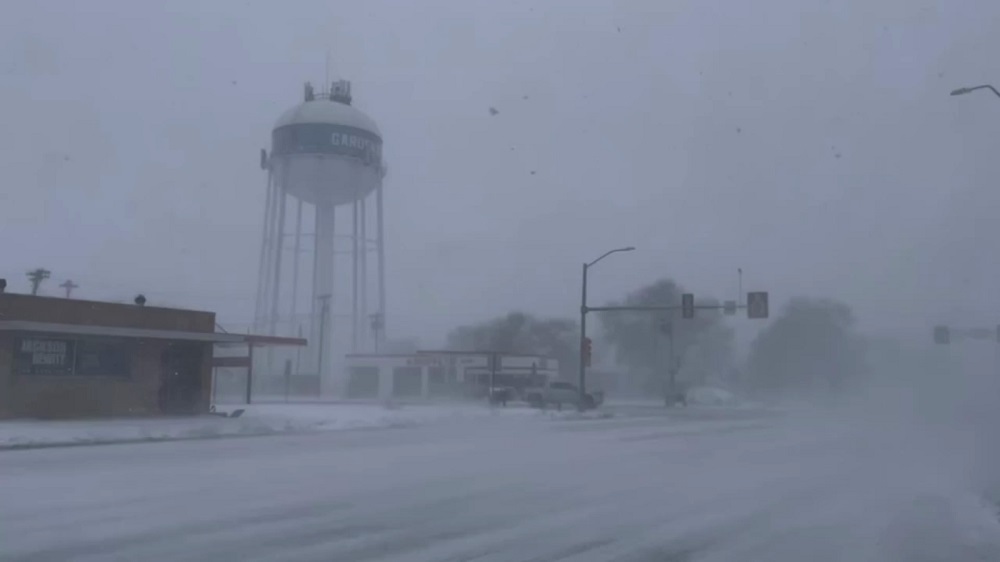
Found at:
<point>638,486</point>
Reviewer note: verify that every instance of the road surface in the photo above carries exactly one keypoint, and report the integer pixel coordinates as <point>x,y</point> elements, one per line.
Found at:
<point>638,486</point>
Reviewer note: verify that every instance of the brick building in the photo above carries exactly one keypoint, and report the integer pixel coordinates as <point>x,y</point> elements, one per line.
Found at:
<point>73,358</point>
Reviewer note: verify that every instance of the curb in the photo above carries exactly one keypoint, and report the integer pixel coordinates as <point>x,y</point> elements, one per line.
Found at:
<point>98,442</point>
<point>258,432</point>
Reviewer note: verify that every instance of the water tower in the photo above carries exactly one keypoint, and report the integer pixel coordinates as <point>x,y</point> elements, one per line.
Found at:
<point>324,165</point>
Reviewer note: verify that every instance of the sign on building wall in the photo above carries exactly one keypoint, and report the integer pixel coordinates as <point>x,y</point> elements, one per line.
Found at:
<point>44,356</point>
<point>424,361</point>
<point>327,138</point>
<point>85,357</point>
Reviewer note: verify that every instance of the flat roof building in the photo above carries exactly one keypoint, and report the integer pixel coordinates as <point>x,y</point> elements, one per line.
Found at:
<point>441,374</point>
<point>74,358</point>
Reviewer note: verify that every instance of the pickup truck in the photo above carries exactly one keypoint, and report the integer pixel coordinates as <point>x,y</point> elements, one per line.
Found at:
<point>557,393</point>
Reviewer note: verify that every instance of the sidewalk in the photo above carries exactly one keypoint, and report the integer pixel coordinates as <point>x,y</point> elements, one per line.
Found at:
<point>258,420</point>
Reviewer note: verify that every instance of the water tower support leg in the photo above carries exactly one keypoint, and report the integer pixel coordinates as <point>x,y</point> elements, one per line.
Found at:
<point>293,321</point>
<point>263,271</point>
<point>380,248</point>
<point>354,276</point>
<point>363,275</point>
<point>279,243</point>
<point>316,289</point>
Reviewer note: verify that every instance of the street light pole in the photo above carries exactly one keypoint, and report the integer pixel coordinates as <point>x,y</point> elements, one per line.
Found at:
<point>963,91</point>
<point>583,318</point>
<point>583,333</point>
<point>672,370</point>
<point>739,288</point>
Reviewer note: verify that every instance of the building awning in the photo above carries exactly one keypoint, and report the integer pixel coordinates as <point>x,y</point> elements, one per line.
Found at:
<point>256,340</point>
<point>111,331</point>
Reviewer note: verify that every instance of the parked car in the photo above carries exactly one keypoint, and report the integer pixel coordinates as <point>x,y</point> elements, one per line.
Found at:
<point>501,394</point>
<point>557,393</point>
<point>676,398</point>
<point>711,396</point>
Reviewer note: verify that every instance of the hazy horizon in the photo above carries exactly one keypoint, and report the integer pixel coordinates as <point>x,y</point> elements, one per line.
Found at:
<point>814,145</point>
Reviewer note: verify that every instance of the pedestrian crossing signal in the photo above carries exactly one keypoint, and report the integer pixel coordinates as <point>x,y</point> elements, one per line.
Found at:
<point>687,305</point>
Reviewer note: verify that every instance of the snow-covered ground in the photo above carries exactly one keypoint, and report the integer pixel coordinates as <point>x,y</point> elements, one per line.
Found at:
<point>713,487</point>
<point>259,419</point>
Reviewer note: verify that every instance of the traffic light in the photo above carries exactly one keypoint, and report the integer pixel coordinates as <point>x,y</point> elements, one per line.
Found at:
<point>729,308</point>
<point>943,336</point>
<point>586,352</point>
<point>757,305</point>
<point>687,305</point>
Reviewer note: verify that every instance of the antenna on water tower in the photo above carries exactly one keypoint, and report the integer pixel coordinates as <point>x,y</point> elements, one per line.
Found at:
<point>326,77</point>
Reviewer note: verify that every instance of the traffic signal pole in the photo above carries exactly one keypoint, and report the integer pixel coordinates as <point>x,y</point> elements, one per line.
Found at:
<point>583,319</point>
<point>490,396</point>
<point>673,363</point>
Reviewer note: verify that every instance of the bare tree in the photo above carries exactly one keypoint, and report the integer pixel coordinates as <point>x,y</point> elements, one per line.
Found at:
<point>811,348</point>
<point>522,333</point>
<point>702,348</point>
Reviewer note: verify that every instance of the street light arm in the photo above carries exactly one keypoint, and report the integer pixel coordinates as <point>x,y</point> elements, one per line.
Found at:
<point>604,255</point>
<point>609,252</point>
<point>963,91</point>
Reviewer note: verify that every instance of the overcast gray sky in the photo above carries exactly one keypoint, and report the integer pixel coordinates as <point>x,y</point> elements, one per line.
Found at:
<point>811,142</point>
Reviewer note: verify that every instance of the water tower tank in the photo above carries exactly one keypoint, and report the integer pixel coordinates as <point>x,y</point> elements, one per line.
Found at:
<point>325,151</point>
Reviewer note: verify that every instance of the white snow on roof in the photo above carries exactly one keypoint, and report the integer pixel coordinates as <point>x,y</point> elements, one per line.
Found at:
<point>326,111</point>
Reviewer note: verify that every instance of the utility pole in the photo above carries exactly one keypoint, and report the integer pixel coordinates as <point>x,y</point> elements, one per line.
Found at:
<point>325,299</point>
<point>377,325</point>
<point>36,276</point>
<point>739,289</point>
<point>69,285</point>
<point>298,354</point>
